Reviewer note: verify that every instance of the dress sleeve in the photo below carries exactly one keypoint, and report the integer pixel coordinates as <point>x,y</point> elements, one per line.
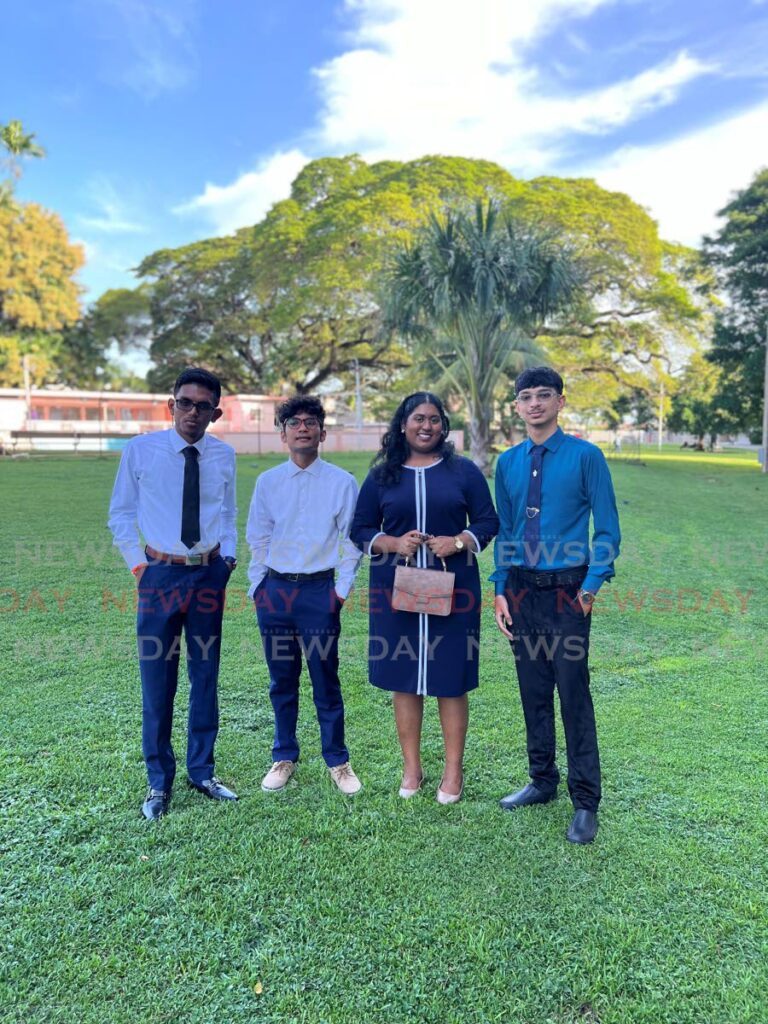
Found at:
<point>366,524</point>
<point>483,521</point>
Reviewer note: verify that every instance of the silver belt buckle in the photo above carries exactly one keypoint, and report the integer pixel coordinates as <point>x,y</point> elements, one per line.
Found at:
<point>194,559</point>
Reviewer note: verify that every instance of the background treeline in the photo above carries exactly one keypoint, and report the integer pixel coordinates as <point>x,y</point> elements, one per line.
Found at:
<point>441,270</point>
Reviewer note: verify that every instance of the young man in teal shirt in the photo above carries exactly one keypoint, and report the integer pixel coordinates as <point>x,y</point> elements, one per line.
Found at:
<point>546,578</point>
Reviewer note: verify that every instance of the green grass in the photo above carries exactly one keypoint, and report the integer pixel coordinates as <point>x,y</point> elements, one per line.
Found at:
<point>306,907</point>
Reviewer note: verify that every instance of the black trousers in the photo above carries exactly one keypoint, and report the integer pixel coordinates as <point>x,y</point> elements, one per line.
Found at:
<point>551,649</point>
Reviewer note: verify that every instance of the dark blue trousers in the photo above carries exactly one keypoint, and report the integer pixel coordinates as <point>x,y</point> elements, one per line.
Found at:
<point>175,599</point>
<point>298,619</point>
<point>551,650</point>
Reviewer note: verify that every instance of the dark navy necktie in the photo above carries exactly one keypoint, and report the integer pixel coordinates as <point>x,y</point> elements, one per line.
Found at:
<point>190,501</point>
<point>532,530</point>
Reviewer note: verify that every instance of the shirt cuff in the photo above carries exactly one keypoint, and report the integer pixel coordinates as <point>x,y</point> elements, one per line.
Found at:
<point>592,583</point>
<point>476,550</point>
<point>369,546</point>
<point>135,555</point>
<point>255,583</point>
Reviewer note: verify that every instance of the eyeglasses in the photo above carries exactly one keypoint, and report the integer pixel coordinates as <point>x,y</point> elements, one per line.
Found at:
<point>185,404</point>
<point>296,421</point>
<point>544,395</point>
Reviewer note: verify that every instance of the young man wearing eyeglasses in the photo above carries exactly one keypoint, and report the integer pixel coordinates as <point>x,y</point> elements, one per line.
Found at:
<point>547,576</point>
<point>303,565</point>
<point>176,488</point>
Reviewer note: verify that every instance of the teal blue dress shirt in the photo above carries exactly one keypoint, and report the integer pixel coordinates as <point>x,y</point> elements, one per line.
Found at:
<point>575,481</point>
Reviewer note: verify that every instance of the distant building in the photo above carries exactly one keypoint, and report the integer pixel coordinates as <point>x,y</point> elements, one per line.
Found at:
<point>66,419</point>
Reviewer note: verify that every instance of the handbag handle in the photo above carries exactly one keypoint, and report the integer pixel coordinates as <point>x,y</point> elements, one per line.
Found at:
<point>408,559</point>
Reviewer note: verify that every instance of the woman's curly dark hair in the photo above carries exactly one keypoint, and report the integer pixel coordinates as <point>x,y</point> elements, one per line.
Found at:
<point>389,459</point>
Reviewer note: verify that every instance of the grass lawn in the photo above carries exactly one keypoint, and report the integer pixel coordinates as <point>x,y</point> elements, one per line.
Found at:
<point>307,907</point>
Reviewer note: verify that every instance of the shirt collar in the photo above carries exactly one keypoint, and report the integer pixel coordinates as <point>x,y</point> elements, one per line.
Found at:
<point>179,444</point>
<point>314,468</point>
<point>551,444</point>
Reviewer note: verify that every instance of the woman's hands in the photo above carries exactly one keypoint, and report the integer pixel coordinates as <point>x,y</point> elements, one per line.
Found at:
<point>442,547</point>
<point>409,543</point>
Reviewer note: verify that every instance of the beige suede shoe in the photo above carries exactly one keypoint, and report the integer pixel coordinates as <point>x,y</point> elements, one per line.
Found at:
<point>450,798</point>
<point>345,779</point>
<point>278,775</point>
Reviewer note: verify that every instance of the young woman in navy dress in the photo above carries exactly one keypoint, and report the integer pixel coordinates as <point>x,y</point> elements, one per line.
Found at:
<point>423,501</point>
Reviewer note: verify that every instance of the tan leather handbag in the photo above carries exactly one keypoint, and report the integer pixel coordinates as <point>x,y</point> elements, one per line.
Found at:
<point>423,590</point>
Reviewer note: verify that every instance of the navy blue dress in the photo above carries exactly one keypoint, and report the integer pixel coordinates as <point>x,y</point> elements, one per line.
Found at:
<point>430,655</point>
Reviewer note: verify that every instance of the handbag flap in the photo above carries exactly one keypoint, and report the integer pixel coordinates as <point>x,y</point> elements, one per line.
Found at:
<point>424,582</point>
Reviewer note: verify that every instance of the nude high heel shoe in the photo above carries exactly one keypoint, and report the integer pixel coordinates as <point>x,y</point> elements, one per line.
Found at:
<point>406,794</point>
<point>450,798</point>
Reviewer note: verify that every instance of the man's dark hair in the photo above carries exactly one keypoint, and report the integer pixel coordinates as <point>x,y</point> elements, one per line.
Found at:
<point>539,377</point>
<point>309,404</point>
<point>196,375</point>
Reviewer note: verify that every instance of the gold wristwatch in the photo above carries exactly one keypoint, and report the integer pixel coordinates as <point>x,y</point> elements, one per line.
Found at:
<point>459,544</point>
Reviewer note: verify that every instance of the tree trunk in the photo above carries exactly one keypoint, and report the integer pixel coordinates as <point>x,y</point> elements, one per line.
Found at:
<point>480,442</point>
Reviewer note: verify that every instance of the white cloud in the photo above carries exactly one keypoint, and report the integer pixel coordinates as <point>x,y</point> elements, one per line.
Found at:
<point>441,76</point>
<point>113,215</point>
<point>147,44</point>
<point>684,182</point>
<point>444,76</point>
<point>248,198</point>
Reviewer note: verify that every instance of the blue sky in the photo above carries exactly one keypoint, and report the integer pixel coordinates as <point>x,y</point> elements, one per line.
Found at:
<point>171,120</point>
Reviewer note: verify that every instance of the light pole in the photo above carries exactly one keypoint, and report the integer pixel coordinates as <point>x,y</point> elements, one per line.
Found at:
<point>358,398</point>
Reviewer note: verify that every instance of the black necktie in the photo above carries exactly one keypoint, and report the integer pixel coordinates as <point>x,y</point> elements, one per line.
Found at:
<point>532,530</point>
<point>190,502</point>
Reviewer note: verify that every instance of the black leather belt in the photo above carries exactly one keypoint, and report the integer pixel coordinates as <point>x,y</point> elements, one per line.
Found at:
<point>299,577</point>
<point>553,578</point>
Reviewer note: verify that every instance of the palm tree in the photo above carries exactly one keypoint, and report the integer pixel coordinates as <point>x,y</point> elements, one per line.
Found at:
<point>18,144</point>
<point>474,291</point>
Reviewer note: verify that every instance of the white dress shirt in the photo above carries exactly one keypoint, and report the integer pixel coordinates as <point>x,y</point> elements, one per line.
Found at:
<point>148,492</point>
<point>299,521</point>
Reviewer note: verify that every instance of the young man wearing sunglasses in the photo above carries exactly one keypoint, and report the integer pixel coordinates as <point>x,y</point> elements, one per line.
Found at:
<point>176,488</point>
<point>547,575</point>
<point>303,565</point>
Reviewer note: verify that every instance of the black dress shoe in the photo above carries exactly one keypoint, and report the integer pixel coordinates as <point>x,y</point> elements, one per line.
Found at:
<point>214,789</point>
<point>583,828</point>
<point>156,804</point>
<point>527,796</point>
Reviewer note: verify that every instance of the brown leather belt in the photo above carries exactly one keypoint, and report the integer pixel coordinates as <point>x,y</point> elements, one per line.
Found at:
<point>202,559</point>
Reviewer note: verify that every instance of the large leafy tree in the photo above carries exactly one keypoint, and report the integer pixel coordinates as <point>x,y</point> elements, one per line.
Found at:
<point>475,290</point>
<point>645,302</point>
<point>39,296</point>
<point>295,301</point>
<point>738,252</point>
<point>116,323</point>
<point>698,405</point>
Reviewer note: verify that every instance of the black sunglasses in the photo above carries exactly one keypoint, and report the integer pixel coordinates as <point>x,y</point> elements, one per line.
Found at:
<point>185,404</point>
